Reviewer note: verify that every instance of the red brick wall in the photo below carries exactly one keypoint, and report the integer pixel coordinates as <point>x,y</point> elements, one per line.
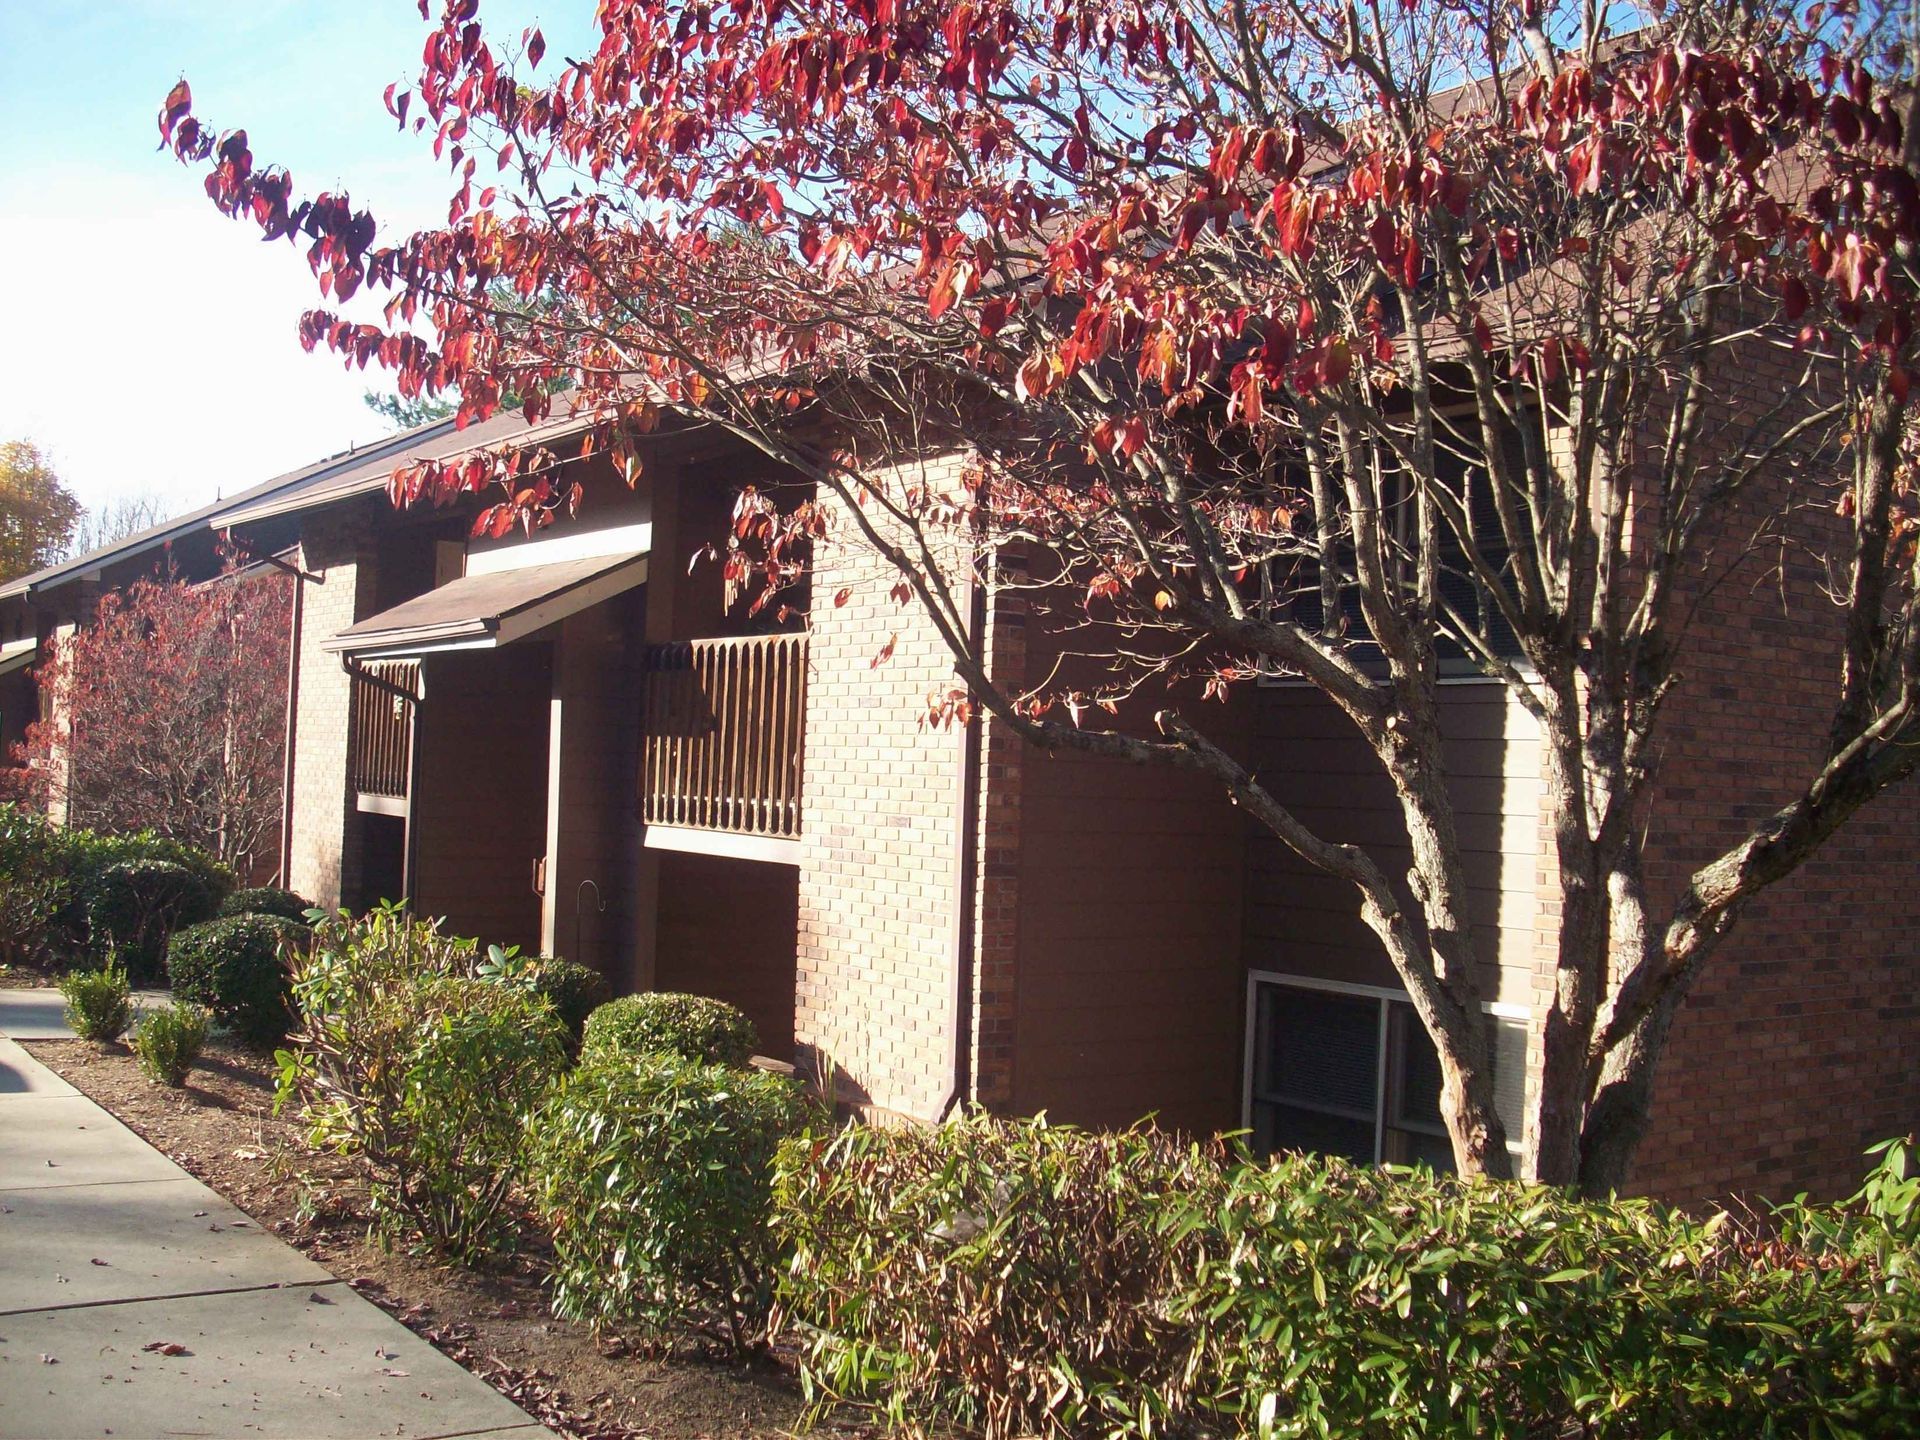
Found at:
<point>1800,1043</point>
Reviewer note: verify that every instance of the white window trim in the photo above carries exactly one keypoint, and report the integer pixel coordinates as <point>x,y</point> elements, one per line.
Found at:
<point>1498,1009</point>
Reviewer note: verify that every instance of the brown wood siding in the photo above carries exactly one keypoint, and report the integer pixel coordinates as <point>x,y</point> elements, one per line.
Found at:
<point>480,807</point>
<point>727,929</point>
<point>1127,995</point>
<point>1300,922</point>
<point>598,834</point>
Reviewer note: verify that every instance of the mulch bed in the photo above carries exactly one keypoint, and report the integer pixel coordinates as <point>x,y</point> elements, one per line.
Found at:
<point>494,1321</point>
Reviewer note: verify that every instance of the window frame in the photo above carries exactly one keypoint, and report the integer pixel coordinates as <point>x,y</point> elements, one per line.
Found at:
<point>1384,997</point>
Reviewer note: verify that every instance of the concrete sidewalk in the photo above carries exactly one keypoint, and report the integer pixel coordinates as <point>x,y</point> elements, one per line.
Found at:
<point>111,1256</point>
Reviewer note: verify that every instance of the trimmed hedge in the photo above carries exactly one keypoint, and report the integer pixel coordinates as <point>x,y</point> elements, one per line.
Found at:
<point>52,879</point>
<point>695,1027</point>
<point>167,1042</point>
<point>574,991</point>
<point>99,1002</point>
<point>136,905</point>
<point>266,900</point>
<point>1024,1279</point>
<point>35,884</point>
<point>236,969</point>
<point>654,1175</point>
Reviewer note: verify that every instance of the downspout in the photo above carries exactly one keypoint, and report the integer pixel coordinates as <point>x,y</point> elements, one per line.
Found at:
<point>966,920</point>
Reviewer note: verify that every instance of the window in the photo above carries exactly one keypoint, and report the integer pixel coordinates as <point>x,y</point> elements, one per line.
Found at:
<point>1291,588</point>
<point>1349,1070</point>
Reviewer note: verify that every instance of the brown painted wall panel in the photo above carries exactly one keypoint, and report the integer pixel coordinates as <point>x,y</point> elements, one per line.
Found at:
<point>1300,922</point>
<point>727,929</point>
<point>480,809</point>
<point>1127,991</point>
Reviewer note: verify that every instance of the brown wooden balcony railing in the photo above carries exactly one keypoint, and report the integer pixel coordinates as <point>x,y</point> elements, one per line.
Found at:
<point>382,754</point>
<point>724,722</point>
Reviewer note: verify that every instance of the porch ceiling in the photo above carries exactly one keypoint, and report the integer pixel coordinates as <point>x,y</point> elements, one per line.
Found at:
<point>17,655</point>
<point>484,612</point>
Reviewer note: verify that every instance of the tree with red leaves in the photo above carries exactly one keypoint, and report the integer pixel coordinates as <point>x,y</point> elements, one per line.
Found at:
<point>171,716</point>
<point>1353,343</point>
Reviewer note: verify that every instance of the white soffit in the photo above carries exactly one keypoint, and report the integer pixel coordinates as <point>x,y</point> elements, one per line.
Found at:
<point>17,655</point>
<point>613,540</point>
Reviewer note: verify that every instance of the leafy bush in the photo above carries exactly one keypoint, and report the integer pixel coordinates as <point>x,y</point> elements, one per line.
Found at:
<point>134,906</point>
<point>167,1042</point>
<point>35,884</point>
<point>573,990</point>
<point>266,900</point>
<point>420,1073</point>
<point>1011,1279</point>
<point>694,1026</point>
<point>236,969</point>
<point>52,880</point>
<point>654,1175</point>
<point>1023,1279</point>
<point>99,1002</point>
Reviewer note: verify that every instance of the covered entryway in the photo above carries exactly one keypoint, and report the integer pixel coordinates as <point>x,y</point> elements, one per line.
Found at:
<point>508,682</point>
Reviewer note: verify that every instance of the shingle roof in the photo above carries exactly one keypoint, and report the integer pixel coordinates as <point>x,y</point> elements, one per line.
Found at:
<point>220,514</point>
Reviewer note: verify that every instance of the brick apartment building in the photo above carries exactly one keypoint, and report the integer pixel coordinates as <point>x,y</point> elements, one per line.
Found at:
<point>568,742</point>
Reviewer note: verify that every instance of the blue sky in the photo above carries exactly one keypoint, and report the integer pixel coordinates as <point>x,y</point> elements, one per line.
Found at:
<point>150,343</point>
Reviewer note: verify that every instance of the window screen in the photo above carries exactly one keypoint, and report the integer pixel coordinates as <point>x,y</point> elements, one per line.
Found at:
<point>1317,1079</point>
<point>1358,1075</point>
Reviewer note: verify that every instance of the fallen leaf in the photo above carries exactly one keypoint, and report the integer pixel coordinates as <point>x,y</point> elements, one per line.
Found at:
<point>46,1359</point>
<point>96,1262</point>
<point>397,1374</point>
<point>165,1347</point>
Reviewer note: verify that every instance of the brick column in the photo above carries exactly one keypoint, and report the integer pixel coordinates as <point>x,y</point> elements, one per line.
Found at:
<point>324,863</point>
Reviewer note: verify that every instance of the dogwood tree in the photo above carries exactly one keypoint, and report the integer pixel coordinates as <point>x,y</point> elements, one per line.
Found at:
<point>1344,340</point>
<point>172,716</point>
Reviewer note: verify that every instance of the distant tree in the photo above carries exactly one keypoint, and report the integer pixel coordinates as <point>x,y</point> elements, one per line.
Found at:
<point>115,520</point>
<point>404,413</point>
<point>37,513</point>
<point>173,715</point>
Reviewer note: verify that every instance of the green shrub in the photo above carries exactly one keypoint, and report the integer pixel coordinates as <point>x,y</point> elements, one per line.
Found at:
<point>709,1031</point>
<point>654,1174</point>
<point>50,878</point>
<point>1432,1307</point>
<point>35,884</point>
<point>421,1074</point>
<point>573,990</point>
<point>99,1002</point>
<point>134,906</point>
<point>167,1042</point>
<point>1011,1279</point>
<point>1023,1279</point>
<point>236,968</point>
<point>266,900</point>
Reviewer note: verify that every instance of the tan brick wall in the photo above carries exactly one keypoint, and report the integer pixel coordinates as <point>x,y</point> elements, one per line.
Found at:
<point>324,859</point>
<point>875,971</point>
